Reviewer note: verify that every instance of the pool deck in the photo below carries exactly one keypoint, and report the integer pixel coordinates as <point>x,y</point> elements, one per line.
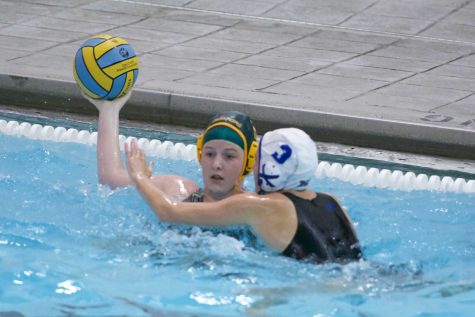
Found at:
<point>389,74</point>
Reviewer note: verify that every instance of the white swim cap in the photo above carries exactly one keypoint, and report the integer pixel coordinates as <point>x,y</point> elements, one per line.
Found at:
<point>287,160</point>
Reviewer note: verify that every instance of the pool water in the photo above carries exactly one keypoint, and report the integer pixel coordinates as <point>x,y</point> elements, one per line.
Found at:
<point>69,247</point>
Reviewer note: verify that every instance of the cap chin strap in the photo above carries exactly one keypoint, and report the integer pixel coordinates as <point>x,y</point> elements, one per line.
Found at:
<point>249,155</point>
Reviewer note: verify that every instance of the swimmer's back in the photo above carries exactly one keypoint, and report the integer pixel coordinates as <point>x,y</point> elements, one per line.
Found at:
<point>324,231</point>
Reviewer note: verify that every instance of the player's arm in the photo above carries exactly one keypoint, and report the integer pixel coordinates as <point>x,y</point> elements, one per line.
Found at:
<point>110,168</point>
<point>237,209</point>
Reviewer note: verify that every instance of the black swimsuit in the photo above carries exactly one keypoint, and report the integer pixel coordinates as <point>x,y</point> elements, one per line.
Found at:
<point>196,197</point>
<point>324,232</point>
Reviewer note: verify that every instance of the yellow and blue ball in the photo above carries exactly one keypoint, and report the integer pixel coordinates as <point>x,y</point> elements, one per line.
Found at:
<point>105,67</point>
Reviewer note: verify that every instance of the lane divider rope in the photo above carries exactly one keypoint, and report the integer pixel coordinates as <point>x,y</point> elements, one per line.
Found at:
<point>357,175</point>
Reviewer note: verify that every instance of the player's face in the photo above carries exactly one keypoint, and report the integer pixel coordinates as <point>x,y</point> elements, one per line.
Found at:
<point>221,163</point>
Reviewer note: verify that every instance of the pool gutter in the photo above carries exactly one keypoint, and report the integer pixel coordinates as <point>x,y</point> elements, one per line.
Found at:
<point>194,111</point>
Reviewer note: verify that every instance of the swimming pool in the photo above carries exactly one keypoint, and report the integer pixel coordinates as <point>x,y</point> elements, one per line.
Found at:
<point>71,247</point>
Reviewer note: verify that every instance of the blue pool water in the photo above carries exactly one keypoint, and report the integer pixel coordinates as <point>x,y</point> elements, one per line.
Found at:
<point>69,247</point>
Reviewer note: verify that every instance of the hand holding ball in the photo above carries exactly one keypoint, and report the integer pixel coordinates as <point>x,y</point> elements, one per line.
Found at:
<point>105,67</point>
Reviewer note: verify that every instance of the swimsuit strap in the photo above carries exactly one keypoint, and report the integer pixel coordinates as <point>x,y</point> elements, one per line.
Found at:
<point>196,197</point>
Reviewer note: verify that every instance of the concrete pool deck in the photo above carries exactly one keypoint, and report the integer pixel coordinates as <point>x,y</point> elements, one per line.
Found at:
<point>389,74</point>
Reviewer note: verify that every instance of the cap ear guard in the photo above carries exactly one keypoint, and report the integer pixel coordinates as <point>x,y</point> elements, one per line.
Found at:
<point>199,146</point>
<point>251,155</point>
<point>269,181</point>
<point>251,158</point>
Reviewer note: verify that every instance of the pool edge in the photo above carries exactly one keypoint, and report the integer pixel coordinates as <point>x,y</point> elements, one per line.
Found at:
<point>194,111</point>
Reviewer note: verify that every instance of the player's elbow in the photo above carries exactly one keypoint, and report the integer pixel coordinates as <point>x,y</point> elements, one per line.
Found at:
<point>165,216</point>
<point>103,180</point>
<point>106,179</point>
<point>114,181</point>
<point>164,213</point>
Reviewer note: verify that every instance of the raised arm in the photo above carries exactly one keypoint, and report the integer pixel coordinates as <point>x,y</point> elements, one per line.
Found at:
<point>110,168</point>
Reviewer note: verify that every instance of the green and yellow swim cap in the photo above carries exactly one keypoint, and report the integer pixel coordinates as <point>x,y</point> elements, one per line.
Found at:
<point>235,127</point>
